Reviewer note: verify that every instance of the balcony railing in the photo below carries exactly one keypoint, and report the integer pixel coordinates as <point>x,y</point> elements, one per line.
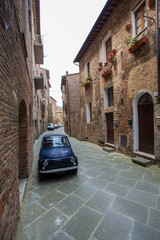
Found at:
<point>38,49</point>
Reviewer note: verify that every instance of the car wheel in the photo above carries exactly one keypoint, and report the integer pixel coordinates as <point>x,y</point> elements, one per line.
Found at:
<point>40,176</point>
<point>75,171</point>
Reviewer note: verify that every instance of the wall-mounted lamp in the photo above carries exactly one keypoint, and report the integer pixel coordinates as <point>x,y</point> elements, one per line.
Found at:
<point>115,122</point>
<point>130,122</point>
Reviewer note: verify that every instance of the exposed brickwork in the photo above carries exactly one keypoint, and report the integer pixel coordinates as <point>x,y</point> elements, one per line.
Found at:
<point>132,73</point>
<point>15,116</point>
<point>71,98</point>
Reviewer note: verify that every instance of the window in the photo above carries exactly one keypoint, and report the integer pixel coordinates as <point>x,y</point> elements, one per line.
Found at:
<point>87,69</point>
<point>54,142</point>
<point>108,48</point>
<point>138,19</point>
<point>108,97</point>
<point>89,112</point>
<point>141,21</point>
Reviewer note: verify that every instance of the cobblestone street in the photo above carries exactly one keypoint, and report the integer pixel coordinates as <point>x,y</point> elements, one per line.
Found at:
<point>109,199</point>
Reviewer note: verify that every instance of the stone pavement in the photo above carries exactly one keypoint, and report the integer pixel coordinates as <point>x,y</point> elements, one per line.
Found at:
<point>110,199</point>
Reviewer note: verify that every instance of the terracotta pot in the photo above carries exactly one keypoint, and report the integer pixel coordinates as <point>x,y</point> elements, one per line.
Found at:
<point>100,64</point>
<point>106,64</point>
<point>128,27</point>
<point>99,69</point>
<point>151,3</point>
<point>114,51</point>
<point>108,72</point>
<point>87,84</point>
<point>138,45</point>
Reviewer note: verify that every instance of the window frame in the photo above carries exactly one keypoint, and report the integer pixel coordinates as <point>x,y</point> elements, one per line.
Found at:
<point>104,55</point>
<point>134,28</point>
<point>89,112</point>
<point>87,69</point>
<point>106,97</point>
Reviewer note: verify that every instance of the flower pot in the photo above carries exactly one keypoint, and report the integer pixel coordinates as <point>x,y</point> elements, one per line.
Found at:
<point>128,27</point>
<point>87,84</point>
<point>138,45</point>
<point>151,3</point>
<point>100,64</point>
<point>114,51</point>
<point>89,79</point>
<point>99,69</point>
<point>108,72</point>
<point>106,64</point>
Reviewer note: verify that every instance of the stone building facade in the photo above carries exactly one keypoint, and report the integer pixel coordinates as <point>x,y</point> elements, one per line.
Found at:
<point>70,88</point>
<point>21,53</point>
<point>119,87</point>
<point>16,136</point>
<point>52,110</point>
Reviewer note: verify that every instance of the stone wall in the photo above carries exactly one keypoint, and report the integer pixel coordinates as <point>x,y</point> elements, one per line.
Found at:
<point>15,115</point>
<point>132,73</point>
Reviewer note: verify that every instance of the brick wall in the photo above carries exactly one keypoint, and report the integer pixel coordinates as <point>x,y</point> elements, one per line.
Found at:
<point>131,74</point>
<point>15,118</point>
<point>72,104</point>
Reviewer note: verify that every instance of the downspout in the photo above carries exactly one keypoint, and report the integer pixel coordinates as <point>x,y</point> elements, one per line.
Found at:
<point>158,49</point>
<point>68,110</point>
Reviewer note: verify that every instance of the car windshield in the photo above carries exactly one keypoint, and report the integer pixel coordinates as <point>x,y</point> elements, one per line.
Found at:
<point>55,141</point>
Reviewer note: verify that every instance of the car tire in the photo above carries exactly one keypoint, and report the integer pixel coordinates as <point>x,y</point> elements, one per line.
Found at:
<point>75,171</point>
<point>40,176</point>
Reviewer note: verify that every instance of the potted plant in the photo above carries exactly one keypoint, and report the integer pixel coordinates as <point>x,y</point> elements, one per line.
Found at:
<point>135,44</point>
<point>100,64</point>
<point>87,82</point>
<point>112,58</point>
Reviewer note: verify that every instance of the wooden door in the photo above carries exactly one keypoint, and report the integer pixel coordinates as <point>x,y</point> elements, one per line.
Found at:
<point>146,125</point>
<point>110,128</point>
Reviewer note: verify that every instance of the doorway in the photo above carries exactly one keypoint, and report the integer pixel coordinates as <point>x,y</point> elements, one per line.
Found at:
<point>146,124</point>
<point>109,127</point>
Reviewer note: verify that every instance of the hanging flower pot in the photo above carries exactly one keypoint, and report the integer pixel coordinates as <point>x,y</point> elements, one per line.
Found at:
<point>128,27</point>
<point>100,64</point>
<point>108,72</point>
<point>114,51</point>
<point>106,64</point>
<point>99,69</point>
<point>138,44</point>
<point>151,3</point>
<point>87,84</point>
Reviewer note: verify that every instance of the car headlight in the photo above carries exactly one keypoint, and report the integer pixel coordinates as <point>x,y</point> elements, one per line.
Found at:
<point>45,163</point>
<point>73,159</point>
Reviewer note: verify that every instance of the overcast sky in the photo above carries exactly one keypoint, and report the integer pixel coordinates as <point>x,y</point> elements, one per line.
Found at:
<point>65,24</point>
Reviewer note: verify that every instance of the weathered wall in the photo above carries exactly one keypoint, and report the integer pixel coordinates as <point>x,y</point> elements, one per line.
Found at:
<point>15,113</point>
<point>131,73</point>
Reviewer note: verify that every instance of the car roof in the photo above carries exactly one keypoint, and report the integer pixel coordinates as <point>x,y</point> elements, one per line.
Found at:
<point>54,135</point>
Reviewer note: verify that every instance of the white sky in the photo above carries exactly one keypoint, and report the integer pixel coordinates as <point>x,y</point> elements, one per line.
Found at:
<point>66,24</point>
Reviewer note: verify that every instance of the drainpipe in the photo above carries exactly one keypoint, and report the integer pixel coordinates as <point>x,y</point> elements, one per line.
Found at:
<point>158,49</point>
<point>68,110</point>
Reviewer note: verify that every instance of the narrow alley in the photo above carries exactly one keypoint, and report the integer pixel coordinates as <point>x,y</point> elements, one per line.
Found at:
<point>110,198</point>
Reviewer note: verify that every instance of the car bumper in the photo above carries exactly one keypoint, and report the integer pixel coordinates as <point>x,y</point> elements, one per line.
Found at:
<point>59,170</point>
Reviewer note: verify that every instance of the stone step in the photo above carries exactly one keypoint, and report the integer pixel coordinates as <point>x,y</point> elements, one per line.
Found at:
<point>142,161</point>
<point>109,145</point>
<point>108,149</point>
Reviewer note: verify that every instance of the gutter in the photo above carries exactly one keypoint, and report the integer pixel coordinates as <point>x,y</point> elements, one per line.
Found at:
<point>158,49</point>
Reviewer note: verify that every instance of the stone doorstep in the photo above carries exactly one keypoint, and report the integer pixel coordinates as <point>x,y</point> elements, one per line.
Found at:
<point>108,149</point>
<point>144,155</point>
<point>109,145</point>
<point>142,161</point>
